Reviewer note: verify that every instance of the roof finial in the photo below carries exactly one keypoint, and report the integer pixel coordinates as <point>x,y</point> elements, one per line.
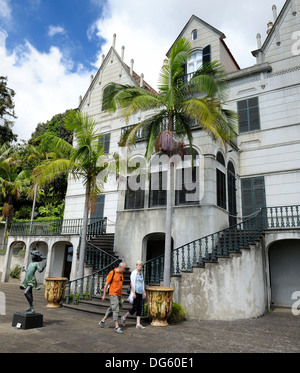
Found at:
<point>258,37</point>
<point>274,12</point>
<point>114,40</point>
<point>142,81</point>
<point>131,67</point>
<point>122,54</point>
<point>294,8</point>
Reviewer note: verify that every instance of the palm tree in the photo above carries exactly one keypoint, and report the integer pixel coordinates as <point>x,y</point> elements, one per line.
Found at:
<point>11,181</point>
<point>85,161</point>
<point>178,104</point>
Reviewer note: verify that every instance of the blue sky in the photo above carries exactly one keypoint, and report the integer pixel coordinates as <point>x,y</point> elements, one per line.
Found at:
<point>50,48</point>
<point>63,23</point>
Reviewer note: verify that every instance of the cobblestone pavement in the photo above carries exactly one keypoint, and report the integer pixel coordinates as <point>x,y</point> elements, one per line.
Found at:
<point>69,331</point>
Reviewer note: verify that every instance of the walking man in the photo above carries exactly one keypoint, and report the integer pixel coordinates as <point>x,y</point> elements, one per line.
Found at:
<point>115,281</point>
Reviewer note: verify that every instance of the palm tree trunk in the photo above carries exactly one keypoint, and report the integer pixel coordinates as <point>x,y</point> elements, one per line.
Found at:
<point>168,237</point>
<point>33,208</point>
<point>84,231</point>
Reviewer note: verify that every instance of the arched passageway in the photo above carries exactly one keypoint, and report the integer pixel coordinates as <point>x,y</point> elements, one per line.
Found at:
<point>284,264</point>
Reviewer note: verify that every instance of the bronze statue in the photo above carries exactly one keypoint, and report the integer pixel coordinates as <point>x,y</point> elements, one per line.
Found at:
<point>30,281</point>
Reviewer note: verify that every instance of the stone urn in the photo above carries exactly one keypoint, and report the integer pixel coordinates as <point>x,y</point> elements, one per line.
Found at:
<point>160,301</point>
<point>55,291</point>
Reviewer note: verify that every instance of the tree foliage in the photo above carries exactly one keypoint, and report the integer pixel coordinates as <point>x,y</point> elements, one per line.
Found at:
<point>7,112</point>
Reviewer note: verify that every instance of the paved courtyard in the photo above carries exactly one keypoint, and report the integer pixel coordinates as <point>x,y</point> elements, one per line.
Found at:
<point>69,331</point>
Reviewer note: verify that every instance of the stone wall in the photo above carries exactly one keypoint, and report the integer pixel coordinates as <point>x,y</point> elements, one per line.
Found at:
<point>233,288</point>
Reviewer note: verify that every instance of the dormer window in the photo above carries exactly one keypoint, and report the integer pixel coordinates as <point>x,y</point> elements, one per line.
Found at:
<point>194,34</point>
<point>195,62</point>
<point>198,58</point>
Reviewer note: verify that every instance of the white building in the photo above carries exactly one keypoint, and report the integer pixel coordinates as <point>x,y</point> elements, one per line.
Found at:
<point>260,170</point>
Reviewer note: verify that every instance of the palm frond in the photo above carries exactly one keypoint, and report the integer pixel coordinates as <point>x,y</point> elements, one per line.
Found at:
<point>129,99</point>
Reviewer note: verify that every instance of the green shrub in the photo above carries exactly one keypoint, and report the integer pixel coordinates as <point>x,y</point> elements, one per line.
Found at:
<point>177,314</point>
<point>15,272</point>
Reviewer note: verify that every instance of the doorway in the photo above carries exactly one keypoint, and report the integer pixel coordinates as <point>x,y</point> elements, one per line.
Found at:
<point>155,245</point>
<point>68,261</point>
<point>284,261</point>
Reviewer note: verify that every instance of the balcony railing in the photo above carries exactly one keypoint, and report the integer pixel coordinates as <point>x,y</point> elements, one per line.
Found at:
<point>96,227</point>
<point>221,244</point>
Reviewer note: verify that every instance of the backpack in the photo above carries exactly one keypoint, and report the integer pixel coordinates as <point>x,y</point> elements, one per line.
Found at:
<point>110,282</point>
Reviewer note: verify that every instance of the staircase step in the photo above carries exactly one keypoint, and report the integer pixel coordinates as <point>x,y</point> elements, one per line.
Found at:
<point>99,307</point>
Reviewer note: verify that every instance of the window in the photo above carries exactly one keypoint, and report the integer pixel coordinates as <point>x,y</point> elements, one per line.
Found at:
<point>158,189</point>
<point>253,195</point>
<point>105,141</point>
<point>194,34</point>
<point>187,191</point>
<point>99,212</point>
<point>221,181</point>
<point>231,194</point>
<point>198,58</point>
<point>195,62</point>
<point>135,191</point>
<point>248,111</point>
<point>158,180</point>
<point>134,199</point>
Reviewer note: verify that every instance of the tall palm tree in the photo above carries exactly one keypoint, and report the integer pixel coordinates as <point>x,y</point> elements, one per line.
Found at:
<point>84,160</point>
<point>11,182</point>
<point>178,104</point>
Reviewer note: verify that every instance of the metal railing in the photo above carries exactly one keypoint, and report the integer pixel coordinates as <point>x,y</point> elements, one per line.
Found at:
<point>281,217</point>
<point>96,257</point>
<point>58,227</point>
<point>222,243</point>
<point>86,287</point>
<point>194,253</point>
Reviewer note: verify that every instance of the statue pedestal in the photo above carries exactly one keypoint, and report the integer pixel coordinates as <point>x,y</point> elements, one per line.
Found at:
<point>24,320</point>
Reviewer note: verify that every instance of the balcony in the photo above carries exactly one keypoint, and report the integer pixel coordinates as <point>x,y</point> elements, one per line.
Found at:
<point>96,227</point>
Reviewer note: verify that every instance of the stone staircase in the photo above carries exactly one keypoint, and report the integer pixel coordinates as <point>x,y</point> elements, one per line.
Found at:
<point>96,305</point>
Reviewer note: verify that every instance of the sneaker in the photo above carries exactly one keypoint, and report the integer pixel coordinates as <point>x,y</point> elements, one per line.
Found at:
<point>119,330</point>
<point>139,326</point>
<point>103,324</point>
<point>123,319</point>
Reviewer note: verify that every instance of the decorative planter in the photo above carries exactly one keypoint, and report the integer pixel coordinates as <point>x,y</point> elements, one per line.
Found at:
<point>55,291</point>
<point>160,300</point>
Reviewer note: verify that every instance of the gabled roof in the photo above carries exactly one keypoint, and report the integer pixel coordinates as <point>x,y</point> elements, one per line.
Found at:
<point>219,33</point>
<point>135,77</point>
<point>193,17</point>
<point>273,29</point>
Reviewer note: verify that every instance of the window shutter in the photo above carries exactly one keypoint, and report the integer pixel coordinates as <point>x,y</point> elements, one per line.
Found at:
<point>207,54</point>
<point>253,195</point>
<point>105,142</point>
<point>99,207</point>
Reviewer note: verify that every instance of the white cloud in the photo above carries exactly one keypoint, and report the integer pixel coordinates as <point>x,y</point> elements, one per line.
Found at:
<point>148,28</point>
<point>5,11</point>
<point>43,85</point>
<point>54,30</point>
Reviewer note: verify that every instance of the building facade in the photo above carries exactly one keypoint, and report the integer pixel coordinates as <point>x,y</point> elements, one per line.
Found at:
<point>259,170</point>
